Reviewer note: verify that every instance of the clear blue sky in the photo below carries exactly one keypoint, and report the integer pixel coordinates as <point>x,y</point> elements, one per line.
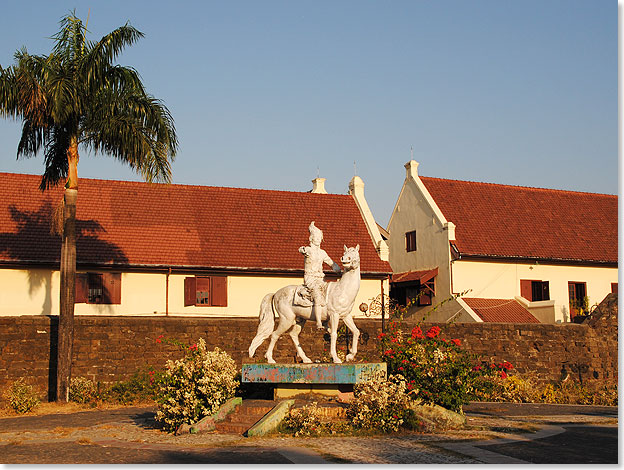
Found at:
<point>265,92</point>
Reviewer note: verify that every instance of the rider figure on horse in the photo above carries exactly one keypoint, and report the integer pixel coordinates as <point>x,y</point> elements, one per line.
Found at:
<point>313,274</point>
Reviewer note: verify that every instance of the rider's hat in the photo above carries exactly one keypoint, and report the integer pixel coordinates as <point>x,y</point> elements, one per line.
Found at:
<point>315,230</point>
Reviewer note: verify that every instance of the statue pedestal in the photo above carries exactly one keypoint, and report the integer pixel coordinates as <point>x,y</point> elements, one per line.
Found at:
<point>312,379</point>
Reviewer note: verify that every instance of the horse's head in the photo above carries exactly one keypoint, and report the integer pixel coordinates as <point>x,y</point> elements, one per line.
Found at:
<point>351,258</point>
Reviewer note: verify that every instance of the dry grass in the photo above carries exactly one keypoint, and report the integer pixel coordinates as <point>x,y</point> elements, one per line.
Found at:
<point>63,431</point>
<point>84,441</point>
<point>61,408</point>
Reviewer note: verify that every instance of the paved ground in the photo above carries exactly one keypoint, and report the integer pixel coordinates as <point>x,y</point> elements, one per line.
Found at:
<point>496,433</point>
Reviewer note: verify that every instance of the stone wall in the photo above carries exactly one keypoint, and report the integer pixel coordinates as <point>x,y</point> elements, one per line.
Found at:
<point>107,349</point>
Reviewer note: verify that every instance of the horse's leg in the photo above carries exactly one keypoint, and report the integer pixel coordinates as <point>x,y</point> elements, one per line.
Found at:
<point>284,324</point>
<point>333,325</point>
<point>294,334</point>
<point>348,320</point>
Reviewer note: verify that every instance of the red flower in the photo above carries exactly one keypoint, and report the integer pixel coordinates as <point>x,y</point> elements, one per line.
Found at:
<point>381,335</point>
<point>194,347</point>
<point>401,368</point>
<point>503,375</point>
<point>417,333</point>
<point>456,342</point>
<point>433,332</point>
<point>507,365</point>
<point>476,368</point>
<point>158,340</point>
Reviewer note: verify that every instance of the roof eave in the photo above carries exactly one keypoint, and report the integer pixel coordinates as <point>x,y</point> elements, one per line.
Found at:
<point>531,259</point>
<point>179,269</point>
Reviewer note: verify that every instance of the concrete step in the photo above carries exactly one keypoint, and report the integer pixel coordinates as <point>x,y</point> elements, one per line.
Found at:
<point>244,416</point>
<point>232,428</point>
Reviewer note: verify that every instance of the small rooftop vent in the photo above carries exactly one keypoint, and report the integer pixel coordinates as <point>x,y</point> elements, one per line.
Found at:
<point>318,186</point>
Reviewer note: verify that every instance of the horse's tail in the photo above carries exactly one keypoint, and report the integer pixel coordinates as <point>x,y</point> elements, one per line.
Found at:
<point>267,323</point>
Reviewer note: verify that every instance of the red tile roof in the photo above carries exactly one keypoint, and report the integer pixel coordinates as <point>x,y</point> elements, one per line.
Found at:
<point>141,224</point>
<point>520,222</point>
<point>500,310</point>
<point>421,276</point>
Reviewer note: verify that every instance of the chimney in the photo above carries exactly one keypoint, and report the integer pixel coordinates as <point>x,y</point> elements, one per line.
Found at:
<point>318,186</point>
<point>411,168</point>
<point>356,190</point>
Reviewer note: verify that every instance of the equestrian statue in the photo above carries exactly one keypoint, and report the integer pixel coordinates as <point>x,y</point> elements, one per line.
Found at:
<point>326,303</point>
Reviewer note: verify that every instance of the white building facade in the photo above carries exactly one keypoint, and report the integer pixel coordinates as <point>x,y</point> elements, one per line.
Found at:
<point>501,253</point>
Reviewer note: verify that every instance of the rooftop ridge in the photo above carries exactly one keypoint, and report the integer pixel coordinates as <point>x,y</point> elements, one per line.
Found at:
<point>532,188</point>
<point>183,185</point>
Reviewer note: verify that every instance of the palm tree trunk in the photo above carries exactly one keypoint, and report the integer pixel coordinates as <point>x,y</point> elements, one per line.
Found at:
<point>68,280</point>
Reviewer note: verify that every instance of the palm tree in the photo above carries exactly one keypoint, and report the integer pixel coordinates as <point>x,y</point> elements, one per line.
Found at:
<point>78,97</point>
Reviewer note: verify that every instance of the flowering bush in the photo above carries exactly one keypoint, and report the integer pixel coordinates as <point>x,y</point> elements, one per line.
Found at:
<point>82,390</point>
<point>195,386</point>
<point>306,421</point>
<point>22,397</point>
<point>439,370</point>
<point>380,404</point>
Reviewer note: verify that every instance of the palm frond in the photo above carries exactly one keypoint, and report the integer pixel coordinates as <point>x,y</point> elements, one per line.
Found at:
<point>56,165</point>
<point>134,128</point>
<point>32,140</point>
<point>77,94</point>
<point>9,93</point>
<point>107,49</point>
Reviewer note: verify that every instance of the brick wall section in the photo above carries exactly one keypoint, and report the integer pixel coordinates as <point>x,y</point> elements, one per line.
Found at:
<point>113,348</point>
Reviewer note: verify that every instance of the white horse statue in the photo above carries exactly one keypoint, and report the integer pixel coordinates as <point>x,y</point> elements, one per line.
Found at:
<point>340,299</point>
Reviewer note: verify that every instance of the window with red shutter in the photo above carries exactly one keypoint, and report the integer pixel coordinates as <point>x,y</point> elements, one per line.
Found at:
<point>427,291</point>
<point>111,287</point>
<point>577,291</point>
<point>82,289</point>
<point>98,288</point>
<point>202,286</point>
<point>96,291</point>
<point>534,291</point>
<point>410,241</point>
<point>205,291</point>
<point>189,291</point>
<point>219,291</point>
<point>525,289</point>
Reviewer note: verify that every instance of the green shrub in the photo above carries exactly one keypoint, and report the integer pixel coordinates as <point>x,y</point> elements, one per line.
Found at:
<point>379,404</point>
<point>439,370</point>
<point>82,390</point>
<point>22,397</point>
<point>195,386</point>
<point>141,387</point>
